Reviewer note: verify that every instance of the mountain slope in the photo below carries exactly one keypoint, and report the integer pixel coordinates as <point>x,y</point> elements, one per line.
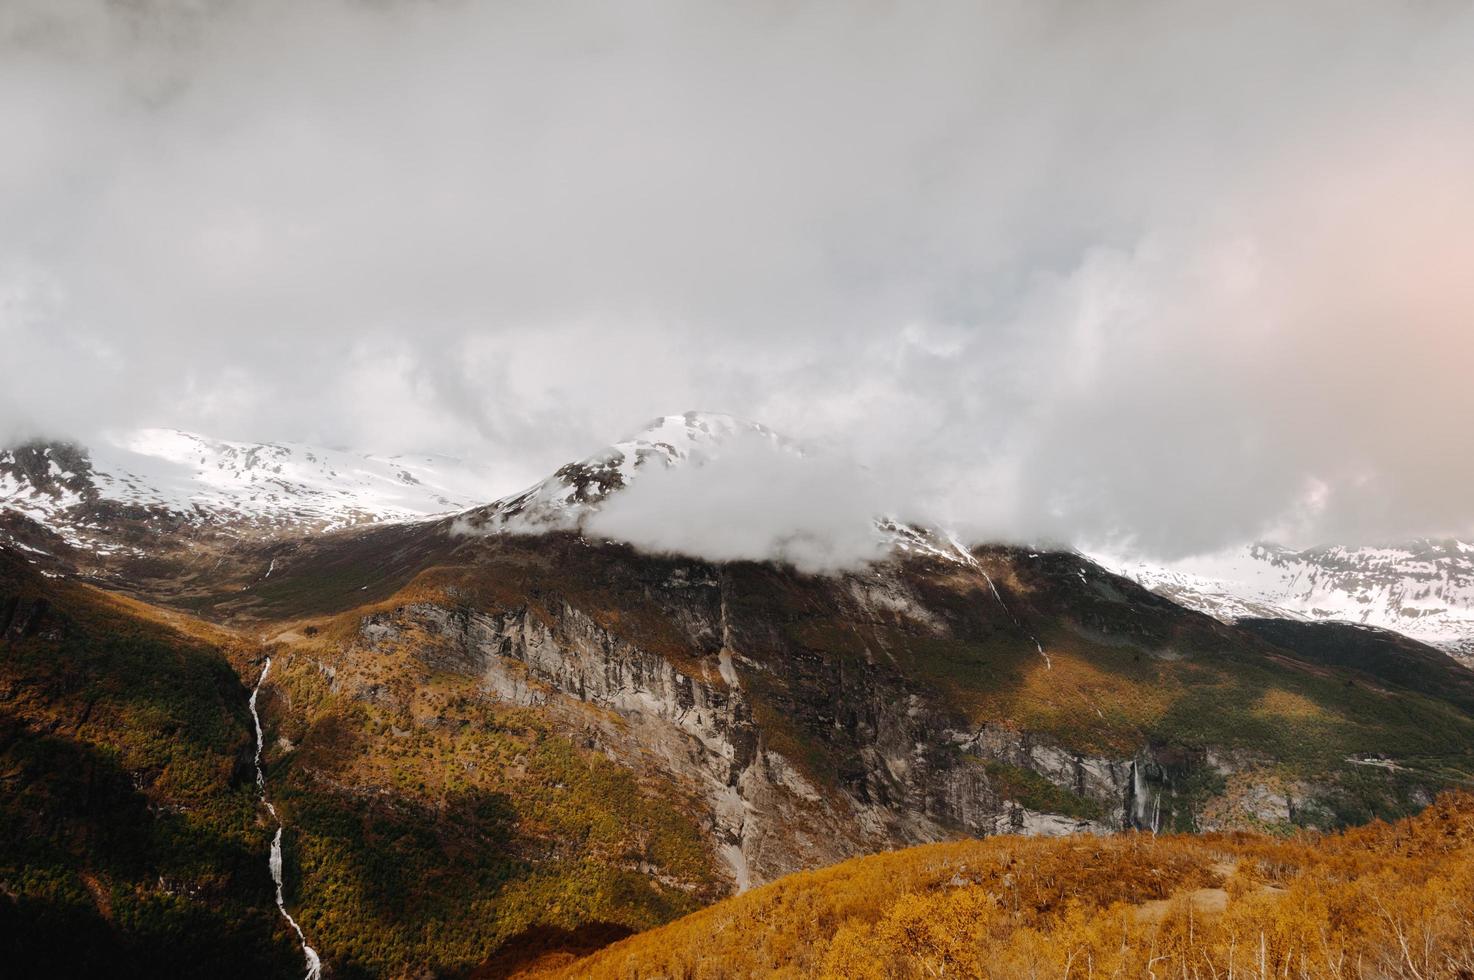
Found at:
<point>1423,589</point>
<point>135,843</point>
<point>130,844</point>
<point>1383,654</point>
<point>480,741</point>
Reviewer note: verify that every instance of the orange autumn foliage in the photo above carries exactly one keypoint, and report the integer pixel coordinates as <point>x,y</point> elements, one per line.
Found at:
<point>1386,900</point>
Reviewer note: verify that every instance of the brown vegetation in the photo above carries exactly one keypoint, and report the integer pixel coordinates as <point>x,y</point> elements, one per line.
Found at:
<point>1385,900</point>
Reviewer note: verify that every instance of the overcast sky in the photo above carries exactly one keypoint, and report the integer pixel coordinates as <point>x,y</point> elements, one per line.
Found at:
<point>1184,274</point>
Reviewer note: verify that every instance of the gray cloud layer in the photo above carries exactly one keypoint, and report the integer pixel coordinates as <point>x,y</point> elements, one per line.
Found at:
<point>1180,273</point>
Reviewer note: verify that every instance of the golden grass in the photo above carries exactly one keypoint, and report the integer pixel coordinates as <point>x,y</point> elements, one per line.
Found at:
<point>1384,900</point>
<point>1279,703</point>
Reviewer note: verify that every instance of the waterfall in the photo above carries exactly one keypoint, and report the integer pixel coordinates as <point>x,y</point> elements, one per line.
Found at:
<point>967,556</point>
<point>314,963</point>
<point>1144,801</point>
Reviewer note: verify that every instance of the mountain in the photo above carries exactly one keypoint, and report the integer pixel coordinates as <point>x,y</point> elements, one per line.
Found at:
<point>159,510</point>
<point>1423,589</point>
<point>180,479</point>
<point>640,735</point>
<point>563,500</point>
<point>479,743</point>
<point>132,842</point>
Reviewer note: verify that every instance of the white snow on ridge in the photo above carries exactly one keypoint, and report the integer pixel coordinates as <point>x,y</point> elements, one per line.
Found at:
<point>1424,589</point>
<point>180,471</point>
<point>284,486</point>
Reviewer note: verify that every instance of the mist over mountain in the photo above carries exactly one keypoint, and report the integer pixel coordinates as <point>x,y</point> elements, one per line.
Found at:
<point>1162,279</point>
<point>711,486</point>
<point>701,485</point>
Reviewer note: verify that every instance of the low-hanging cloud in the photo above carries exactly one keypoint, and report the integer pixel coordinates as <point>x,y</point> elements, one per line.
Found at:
<point>1162,275</point>
<point>752,499</point>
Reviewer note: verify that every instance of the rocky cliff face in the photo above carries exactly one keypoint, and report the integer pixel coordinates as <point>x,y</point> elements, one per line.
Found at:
<point>821,717</point>
<point>696,727</point>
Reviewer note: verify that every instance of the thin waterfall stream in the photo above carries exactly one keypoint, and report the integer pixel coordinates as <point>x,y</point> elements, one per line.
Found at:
<point>314,963</point>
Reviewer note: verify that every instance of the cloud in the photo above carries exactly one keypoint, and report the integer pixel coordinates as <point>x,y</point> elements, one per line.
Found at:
<point>1172,275</point>
<point>753,499</point>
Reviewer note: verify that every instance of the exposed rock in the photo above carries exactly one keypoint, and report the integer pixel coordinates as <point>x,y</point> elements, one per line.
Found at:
<point>919,780</point>
<point>21,617</point>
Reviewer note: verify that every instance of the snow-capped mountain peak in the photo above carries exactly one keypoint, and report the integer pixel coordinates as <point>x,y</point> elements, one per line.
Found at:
<point>694,432</point>
<point>563,500</point>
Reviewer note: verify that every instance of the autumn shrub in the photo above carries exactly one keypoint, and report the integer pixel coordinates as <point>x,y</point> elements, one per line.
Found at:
<point>1386,900</point>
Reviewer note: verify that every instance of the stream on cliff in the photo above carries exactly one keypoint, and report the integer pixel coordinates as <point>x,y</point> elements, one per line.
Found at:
<point>314,963</point>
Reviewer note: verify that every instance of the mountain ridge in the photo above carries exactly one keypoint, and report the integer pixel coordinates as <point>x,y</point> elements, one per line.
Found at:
<point>178,476</point>
<point>1423,589</point>
<point>129,498</point>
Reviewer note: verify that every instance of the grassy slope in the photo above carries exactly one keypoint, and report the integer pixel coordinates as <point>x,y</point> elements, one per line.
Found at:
<point>427,824</point>
<point>130,839</point>
<point>1130,905</point>
<point>1170,677</point>
<point>430,824</point>
<point>1378,653</point>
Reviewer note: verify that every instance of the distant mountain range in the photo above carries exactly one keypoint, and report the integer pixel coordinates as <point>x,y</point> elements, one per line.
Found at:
<point>178,480</point>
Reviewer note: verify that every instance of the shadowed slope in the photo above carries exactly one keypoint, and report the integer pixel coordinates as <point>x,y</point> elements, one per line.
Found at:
<point>129,838</point>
